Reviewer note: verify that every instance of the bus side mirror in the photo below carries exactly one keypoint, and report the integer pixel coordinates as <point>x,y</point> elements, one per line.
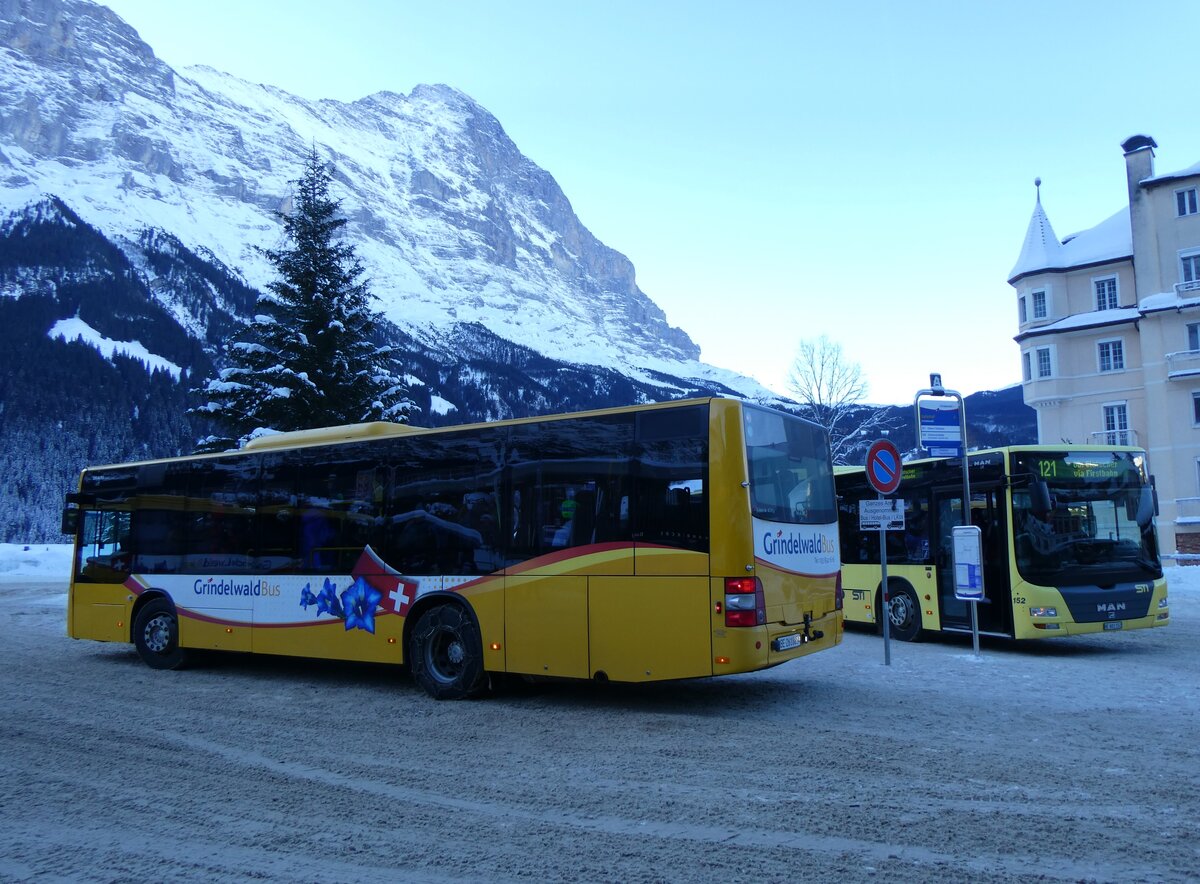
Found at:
<point>1143,506</point>
<point>1039,498</point>
<point>1147,506</point>
<point>70,521</point>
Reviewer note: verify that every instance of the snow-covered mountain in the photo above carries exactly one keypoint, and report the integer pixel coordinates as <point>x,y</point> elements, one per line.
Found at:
<point>453,224</point>
<point>134,200</point>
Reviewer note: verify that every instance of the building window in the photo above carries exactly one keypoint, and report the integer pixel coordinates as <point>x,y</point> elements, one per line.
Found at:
<point>1022,317</point>
<point>1185,201</point>
<point>1026,371</point>
<point>1112,355</point>
<point>1106,293</point>
<point>1039,304</point>
<point>1190,268</point>
<point>1196,409</point>
<point>1193,333</point>
<point>1043,362</point>
<point>1116,425</point>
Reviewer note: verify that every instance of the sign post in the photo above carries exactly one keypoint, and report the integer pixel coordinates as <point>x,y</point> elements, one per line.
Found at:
<point>968,573</point>
<point>943,441</point>
<point>883,472</point>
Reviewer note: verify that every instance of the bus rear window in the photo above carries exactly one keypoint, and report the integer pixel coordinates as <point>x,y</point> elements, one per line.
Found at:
<point>791,476</point>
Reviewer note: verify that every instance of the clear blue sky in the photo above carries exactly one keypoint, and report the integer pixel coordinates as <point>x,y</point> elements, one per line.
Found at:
<point>776,170</point>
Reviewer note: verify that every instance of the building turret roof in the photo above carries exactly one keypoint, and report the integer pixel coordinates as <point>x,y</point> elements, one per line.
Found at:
<point>1041,250</point>
<point>1110,240</point>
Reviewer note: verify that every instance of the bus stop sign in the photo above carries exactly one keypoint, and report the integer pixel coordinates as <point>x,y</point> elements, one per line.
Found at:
<point>883,466</point>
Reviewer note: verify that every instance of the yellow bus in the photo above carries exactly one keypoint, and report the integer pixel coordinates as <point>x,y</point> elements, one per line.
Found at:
<point>1069,544</point>
<point>663,541</point>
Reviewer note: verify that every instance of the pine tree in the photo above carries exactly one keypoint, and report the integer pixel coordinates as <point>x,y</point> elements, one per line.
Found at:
<point>308,357</point>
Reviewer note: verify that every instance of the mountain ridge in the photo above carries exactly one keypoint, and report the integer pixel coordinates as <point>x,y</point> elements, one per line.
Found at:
<point>135,200</point>
<point>452,222</point>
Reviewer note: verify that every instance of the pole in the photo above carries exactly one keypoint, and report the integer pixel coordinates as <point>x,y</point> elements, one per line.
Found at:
<point>885,601</point>
<point>966,507</point>
<point>936,389</point>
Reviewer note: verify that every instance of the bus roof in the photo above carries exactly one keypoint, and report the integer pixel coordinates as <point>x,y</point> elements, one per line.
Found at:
<point>326,435</point>
<point>383,429</point>
<point>843,469</point>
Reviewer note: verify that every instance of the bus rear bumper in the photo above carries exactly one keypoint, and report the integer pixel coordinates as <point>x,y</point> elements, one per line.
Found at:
<point>746,650</point>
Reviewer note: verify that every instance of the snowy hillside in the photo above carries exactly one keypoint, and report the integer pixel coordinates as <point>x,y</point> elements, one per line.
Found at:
<point>454,225</point>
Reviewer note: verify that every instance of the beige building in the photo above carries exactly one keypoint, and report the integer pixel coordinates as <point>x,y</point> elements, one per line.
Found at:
<point>1109,329</point>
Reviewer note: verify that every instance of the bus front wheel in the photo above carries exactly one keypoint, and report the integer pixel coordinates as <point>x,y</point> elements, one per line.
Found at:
<point>447,659</point>
<point>156,636</point>
<point>903,611</point>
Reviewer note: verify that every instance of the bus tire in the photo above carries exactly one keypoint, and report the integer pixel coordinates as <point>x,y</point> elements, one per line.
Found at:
<point>904,612</point>
<point>447,658</point>
<point>156,636</point>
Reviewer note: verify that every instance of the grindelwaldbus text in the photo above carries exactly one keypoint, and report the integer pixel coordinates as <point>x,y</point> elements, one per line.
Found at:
<point>664,541</point>
<point>1069,544</point>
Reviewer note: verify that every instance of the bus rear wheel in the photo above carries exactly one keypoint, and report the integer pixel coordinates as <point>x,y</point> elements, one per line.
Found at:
<point>156,636</point>
<point>447,659</point>
<point>904,613</point>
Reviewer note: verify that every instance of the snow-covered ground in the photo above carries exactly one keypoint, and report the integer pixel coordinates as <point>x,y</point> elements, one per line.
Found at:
<point>35,561</point>
<point>1073,759</point>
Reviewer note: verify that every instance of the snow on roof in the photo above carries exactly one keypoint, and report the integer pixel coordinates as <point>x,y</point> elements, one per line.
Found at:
<point>1110,240</point>
<point>1093,319</point>
<point>1182,173</point>
<point>1041,248</point>
<point>1167,301</point>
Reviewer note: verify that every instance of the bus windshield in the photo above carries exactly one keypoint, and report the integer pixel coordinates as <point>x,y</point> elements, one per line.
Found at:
<point>791,473</point>
<point>1083,514</point>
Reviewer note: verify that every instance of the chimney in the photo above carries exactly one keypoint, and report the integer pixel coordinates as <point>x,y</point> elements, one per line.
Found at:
<point>1139,165</point>
<point>1139,162</point>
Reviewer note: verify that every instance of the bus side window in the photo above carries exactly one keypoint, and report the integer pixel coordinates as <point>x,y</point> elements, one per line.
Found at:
<point>570,485</point>
<point>443,512</point>
<point>670,499</point>
<point>159,540</point>
<point>221,524</point>
<point>104,554</point>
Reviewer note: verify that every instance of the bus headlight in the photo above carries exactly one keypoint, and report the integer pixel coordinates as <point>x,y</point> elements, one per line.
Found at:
<point>1043,612</point>
<point>1162,603</point>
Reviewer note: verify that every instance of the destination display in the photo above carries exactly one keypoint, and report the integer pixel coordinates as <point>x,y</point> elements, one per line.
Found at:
<point>1079,467</point>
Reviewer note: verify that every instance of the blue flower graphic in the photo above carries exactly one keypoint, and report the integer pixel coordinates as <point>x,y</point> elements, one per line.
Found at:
<point>359,602</point>
<point>328,601</point>
<point>306,596</point>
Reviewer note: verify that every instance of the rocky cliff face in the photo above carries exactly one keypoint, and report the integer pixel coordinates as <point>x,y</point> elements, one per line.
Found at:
<point>133,202</point>
<point>452,222</point>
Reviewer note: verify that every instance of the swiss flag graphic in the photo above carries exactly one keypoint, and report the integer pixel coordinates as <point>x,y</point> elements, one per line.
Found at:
<point>398,593</point>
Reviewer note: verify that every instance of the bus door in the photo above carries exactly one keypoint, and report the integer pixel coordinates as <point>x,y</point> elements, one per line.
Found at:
<point>987,512</point>
<point>947,508</point>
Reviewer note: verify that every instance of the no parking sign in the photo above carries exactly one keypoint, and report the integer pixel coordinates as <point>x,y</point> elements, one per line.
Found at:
<point>883,466</point>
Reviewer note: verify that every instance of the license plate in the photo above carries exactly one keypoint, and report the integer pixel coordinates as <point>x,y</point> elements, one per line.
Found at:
<point>1113,624</point>
<point>787,642</point>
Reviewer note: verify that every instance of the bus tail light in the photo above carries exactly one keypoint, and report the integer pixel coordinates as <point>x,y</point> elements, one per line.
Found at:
<point>745,604</point>
<point>838,594</point>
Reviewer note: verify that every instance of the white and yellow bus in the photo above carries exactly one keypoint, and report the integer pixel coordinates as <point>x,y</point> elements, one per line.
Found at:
<point>1069,544</point>
<point>666,541</point>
